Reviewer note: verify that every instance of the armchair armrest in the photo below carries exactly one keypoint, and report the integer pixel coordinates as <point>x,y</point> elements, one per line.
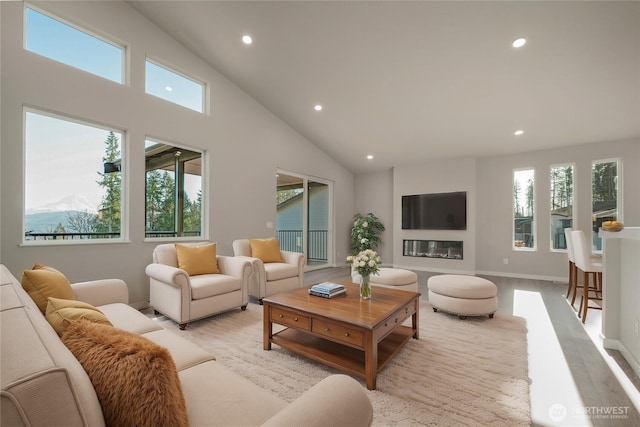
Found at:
<point>295,258</point>
<point>101,292</point>
<point>257,276</point>
<point>337,400</point>
<point>171,276</point>
<point>234,266</point>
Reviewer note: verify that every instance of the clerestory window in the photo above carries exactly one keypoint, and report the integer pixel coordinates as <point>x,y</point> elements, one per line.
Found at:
<point>175,87</point>
<point>49,36</point>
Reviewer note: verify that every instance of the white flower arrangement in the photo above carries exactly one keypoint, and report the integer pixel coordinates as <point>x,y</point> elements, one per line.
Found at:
<point>365,263</point>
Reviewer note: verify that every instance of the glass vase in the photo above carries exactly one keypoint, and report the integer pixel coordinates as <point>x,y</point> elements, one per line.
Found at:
<point>365,287</point>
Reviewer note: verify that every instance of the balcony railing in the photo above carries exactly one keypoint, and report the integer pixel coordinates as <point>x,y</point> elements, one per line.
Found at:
<point>291,240</point>
<point>103,235</point>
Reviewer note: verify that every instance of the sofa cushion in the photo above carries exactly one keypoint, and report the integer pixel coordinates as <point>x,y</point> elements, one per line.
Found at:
<point>61,312</point>
<point>217,396</point>
<point>135,379</point>
<point>185,354</point>
<point>209,285</point>
<point>267,250</point>
<point>279,270</point>
<point>125,317</point>
<point>43,282</point>
<point>197,260</point>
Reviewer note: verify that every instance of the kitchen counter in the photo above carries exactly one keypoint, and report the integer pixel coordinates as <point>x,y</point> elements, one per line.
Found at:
<point>621,293</point>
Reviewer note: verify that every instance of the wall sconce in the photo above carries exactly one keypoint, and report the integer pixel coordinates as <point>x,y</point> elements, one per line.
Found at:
<point>110,167</point>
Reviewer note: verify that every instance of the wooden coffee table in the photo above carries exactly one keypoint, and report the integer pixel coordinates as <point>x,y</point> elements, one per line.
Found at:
<point>358,337</point>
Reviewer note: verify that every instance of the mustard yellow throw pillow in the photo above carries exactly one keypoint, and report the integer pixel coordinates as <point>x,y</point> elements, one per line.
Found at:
<point>43,282</point>
<point>197,260</point>
<point>61,313</point>
<point>268,250</point>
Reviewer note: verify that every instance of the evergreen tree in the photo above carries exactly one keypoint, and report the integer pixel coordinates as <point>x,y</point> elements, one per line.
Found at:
<point>530,197</point>
<point>110,215</point>
<point>516,197</point>
<point>160,201</point>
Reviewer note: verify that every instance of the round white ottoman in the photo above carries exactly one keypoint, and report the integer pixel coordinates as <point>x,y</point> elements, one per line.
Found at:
<point>463,295</point>
<point>395,278</point>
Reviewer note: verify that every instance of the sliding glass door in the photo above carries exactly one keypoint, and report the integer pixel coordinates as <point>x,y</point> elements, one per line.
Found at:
<point>303,218</point>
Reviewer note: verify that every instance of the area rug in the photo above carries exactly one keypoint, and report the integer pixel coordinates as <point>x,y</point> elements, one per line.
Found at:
<point>469,372</point>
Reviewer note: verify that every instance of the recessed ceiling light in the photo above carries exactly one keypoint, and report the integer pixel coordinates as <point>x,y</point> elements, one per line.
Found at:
<point>168,88</point>
<point>370,157</point>
<point>519,42</point>
<point>246,39</point>
<point>518,132</point>
<point>317,107</point>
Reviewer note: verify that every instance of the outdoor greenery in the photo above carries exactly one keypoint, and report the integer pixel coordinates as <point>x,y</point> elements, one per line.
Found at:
<point>365,233</point>
<point>160,203</point>
<point>604,183</point>
<point>561,187</point>
<point>526,209</point>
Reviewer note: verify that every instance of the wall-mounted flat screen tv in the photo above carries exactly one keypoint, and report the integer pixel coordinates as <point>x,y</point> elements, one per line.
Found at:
<point>437,211</point>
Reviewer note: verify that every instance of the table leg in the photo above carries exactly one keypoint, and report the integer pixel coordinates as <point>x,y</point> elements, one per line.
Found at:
<point>415,323</point>
<point>267,327</point>
<point>370,360</point>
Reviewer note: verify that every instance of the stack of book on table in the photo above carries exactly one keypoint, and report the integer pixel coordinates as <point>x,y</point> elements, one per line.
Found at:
<point>327,290</point>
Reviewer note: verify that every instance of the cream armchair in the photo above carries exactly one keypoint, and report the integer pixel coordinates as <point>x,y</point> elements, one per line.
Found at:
<point>184,298</point>
<point>271,277</point>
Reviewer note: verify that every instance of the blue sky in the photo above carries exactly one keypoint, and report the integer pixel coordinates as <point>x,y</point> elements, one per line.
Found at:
<point>63,157</point>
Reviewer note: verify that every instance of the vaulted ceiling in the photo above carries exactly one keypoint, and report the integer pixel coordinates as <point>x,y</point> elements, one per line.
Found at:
<point>409,82</point>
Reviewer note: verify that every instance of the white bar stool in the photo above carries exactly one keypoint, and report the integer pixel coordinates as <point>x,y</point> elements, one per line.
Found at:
<point>590,267</point>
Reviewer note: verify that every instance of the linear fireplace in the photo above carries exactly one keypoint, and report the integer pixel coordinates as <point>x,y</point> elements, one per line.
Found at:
<point>444,249</point>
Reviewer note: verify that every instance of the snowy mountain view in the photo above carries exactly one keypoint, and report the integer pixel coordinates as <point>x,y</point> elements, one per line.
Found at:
<point>45,218</point>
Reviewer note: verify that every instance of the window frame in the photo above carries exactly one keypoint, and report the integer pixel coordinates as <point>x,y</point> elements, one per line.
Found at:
<point>204,189</point>
<point>619,200</point>
<point>534,228</point>
<point>108,39</point>
<point>176,70</point>
<point>574,196</point>
<point>124,180</point>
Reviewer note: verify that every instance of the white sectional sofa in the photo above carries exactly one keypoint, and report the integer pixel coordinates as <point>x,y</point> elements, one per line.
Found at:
<point>43,384</point>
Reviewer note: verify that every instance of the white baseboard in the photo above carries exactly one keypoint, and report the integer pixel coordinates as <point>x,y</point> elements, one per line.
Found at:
<point>617,345</point>
<point>434,270</point>
<point>562,280</point>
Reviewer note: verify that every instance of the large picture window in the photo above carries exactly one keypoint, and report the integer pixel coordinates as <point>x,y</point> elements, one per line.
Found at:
<point>524,229</point>
<point>604,197</point>
<point>50,37</point>
<point>73,180</point>
<point>561,194</point>
<point>173,191</point>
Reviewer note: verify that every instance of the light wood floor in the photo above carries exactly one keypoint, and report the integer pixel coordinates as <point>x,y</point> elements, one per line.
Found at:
<point>574,381</point>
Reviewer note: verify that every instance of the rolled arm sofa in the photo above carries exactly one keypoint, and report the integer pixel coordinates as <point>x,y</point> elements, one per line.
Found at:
<point>43,384</point>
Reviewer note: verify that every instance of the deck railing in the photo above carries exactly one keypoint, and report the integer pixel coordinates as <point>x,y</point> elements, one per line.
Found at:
<point>102,235</point>
<point>291,240</point>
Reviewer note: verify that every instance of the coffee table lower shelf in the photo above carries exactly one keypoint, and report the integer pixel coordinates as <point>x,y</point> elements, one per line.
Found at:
<point>342,357</point>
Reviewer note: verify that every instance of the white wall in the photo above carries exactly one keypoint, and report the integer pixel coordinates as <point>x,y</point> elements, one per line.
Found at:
<point>489,185</point>
<point>244,141</point>
<point>375,195</point>
<point>495,177</point>
<point>436,177</point>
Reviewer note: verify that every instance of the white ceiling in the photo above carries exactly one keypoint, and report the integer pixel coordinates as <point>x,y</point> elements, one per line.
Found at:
<point>410,82</point>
